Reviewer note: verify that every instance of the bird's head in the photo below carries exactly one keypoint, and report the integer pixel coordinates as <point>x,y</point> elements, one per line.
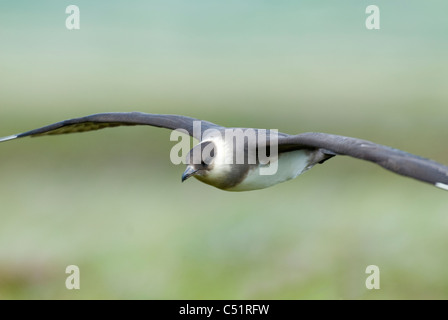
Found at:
<point>200,161</point>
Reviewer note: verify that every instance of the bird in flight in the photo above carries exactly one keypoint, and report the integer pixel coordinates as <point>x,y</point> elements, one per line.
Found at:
<point>215,159</point>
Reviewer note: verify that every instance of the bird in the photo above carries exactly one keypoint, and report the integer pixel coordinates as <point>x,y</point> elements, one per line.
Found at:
<point>268,157</point>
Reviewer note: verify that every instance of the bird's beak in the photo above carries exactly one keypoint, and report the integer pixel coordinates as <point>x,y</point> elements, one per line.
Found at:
<point>188,173</point>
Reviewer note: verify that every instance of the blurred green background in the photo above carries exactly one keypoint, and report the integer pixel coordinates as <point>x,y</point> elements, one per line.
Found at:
<point>111,202</point>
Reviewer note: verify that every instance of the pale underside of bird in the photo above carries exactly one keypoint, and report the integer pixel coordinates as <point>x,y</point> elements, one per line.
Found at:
<point>294,154</point>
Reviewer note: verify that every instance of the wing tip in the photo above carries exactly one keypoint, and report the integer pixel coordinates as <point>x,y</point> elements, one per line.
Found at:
<point>442,186</point>
<point>9,138</point>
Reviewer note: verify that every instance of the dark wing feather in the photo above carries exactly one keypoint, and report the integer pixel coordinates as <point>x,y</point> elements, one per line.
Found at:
<point>397,161</point>
<point>107,120</point>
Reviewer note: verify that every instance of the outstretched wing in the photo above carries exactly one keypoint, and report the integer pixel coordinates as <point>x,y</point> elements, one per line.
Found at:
<point>397,161</point>
<point>107,120</point>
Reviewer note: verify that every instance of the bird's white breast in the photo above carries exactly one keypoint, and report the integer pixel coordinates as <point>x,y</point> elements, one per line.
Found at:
<point>290,165</point>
